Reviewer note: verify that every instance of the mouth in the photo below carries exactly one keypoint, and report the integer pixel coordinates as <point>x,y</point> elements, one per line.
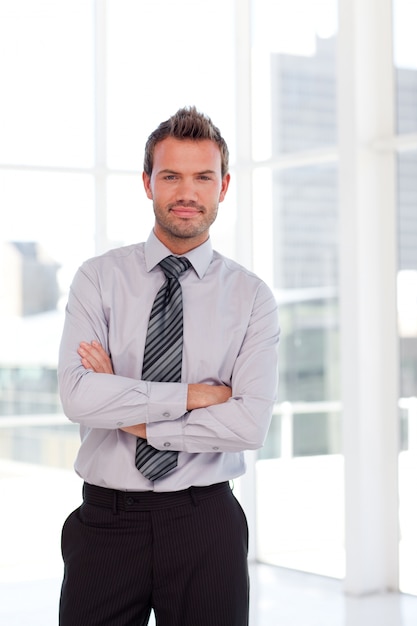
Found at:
<point>185,211</point>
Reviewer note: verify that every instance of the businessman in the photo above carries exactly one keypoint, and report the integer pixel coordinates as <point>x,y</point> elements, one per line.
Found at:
<point>168,362</point>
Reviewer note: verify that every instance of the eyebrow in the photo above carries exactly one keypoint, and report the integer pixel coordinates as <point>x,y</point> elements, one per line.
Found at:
<point>168,171</point>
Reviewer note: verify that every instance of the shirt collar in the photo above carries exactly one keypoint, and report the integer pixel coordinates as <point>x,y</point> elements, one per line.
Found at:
<point>200,257</point>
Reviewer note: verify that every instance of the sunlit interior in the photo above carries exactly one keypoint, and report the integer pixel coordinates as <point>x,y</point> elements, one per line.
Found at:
<point>322,205</point>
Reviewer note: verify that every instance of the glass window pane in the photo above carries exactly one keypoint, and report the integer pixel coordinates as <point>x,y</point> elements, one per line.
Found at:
<point>47,230</point>
<point>407,327</point>
<point>129,212</point>
<point>55,210</point>
<point>156,66</point>
<point>294,76</point>
<point>305,220</point>
<point>47,83</point>
<point>405,61</point>
<point>302,455</point>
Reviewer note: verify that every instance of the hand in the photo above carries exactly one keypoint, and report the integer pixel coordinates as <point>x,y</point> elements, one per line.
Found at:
<point>201,395</point>
<point>94,357</point>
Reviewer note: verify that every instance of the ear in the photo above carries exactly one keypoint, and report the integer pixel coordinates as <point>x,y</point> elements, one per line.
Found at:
<point>147,184</point>
<point>224,188</point>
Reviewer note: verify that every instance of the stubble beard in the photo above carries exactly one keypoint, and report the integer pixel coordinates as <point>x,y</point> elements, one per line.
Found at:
<point>184,228</point>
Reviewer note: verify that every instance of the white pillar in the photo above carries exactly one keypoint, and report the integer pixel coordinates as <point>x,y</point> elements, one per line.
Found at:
<point>243,82</point>
<point>368,269</point>
<point>100,134</point>
<point>244,230</point>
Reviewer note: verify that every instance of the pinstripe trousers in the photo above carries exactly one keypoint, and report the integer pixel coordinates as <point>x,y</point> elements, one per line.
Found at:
<point>182,554</point>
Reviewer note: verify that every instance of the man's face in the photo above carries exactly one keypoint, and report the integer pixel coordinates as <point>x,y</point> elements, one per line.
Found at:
<point>186,187</point>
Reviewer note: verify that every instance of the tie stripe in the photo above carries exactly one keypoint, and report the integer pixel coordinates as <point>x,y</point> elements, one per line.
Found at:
<point>162,359</point>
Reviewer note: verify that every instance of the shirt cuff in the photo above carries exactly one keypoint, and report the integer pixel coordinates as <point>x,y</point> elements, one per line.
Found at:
<point>165,435</point>
<point>167,401</point>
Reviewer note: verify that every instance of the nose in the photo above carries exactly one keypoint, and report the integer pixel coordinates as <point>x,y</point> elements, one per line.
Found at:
<point>186,190</point>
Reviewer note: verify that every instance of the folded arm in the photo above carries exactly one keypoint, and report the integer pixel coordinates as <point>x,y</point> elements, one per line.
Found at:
<point>200,395</point>
<point>215,419</point>
<point>191,417</point>
<point>105,401</point>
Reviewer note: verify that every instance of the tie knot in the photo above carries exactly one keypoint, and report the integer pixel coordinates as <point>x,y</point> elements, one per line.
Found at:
<point>173,266</point>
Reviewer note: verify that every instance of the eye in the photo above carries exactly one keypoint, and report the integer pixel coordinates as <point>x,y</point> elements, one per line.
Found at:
<point>170,177</point>
<point>204,177</point>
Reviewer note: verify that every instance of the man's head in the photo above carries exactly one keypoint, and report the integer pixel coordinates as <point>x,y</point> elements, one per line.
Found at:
<point>184,164</point>
<point>186,124</point>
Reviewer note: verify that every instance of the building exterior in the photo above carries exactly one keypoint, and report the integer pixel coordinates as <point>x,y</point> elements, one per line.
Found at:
<point>304,117</point>
<point>28,279</point>
<point>29,294</point>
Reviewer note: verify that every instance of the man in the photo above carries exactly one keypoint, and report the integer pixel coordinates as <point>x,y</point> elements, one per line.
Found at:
<point>175,543</point>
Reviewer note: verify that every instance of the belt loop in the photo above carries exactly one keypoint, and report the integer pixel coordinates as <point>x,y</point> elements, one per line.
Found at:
<point>194,497</point>
<point>114,509</point>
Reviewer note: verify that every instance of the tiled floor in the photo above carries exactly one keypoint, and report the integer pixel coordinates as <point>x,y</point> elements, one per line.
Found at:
<point>279,598</point>
<point>283,597</point>
<point>31,568</point>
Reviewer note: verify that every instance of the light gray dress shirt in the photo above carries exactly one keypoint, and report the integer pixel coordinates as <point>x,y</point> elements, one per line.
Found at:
<point>230,337</point>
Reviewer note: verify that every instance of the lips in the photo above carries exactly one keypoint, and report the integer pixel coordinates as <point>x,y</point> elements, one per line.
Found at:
<point>184,211</point>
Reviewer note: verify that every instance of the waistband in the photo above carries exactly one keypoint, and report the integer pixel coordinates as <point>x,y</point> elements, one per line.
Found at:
<point>149,500</point>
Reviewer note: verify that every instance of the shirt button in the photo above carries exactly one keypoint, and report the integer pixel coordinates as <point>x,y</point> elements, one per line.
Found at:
<point>215,447</point>
<point>119,424</point>
<point>166,414</point>
<point>167,444</point>
<point>129,501</point>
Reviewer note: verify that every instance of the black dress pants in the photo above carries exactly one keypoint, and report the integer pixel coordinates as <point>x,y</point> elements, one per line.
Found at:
<point>182,554</point>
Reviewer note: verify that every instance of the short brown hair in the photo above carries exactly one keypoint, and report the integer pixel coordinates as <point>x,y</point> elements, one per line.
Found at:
<point>186,123</point>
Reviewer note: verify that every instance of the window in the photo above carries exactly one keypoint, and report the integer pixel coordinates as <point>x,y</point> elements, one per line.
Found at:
<point>84,82</point>
<point>75,121</point>
<point>295,246</point>
<point>405,62</point>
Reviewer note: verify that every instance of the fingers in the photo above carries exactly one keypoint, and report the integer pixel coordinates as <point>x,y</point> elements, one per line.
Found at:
<point>93,356</point>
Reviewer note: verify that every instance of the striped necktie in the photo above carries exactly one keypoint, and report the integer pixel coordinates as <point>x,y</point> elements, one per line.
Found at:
<point>162,360</point>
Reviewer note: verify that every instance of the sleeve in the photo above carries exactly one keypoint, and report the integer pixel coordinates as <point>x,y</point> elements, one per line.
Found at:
<point>105,400</point>
<point>242,422</point>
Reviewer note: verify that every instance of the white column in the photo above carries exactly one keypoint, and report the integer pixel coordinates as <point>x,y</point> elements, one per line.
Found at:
<point>100,138</point>
<point>243,82</point>
<point>244,231</point>
<point>368,268</point>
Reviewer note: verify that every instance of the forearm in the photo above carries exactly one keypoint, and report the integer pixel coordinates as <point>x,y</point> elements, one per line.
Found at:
<point>94,358</point>
<point>198,396</point>
<point>108,401</point>
<point>240,424</point>
<point>104,400</point>
<point>202,395</point>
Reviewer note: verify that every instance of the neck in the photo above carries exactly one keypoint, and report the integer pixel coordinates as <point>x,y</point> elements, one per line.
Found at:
<point>179,245</point>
